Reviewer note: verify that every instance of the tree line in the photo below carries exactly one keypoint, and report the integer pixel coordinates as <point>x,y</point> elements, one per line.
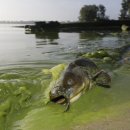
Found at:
<point>96,13</point>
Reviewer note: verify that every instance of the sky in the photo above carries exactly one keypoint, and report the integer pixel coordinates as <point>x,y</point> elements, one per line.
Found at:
<point>46,10</point>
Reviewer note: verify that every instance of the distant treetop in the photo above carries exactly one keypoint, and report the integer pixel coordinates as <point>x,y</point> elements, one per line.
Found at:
<point>92,13</point>
<point>125,10</point>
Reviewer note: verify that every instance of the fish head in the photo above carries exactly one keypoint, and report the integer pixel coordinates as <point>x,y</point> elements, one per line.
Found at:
<point>69,85</point>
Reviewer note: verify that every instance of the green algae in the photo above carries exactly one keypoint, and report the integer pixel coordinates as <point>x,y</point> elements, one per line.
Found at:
<point>4,110</point>
<point>55,71</point>
<point>96,104</point>
<point>22,103</point>
<point>105,58</point>
<point>17,94</point>
<point>10,76</point>
<point>97,54</point>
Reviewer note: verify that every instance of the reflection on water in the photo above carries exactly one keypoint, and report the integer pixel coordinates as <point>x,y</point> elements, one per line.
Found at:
<point>44,38</point>
<point>47,35</point>
<point>91,35</point>
<point>17,47</point>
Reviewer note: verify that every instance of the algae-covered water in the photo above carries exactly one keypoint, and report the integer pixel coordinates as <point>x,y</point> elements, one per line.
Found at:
<point>23,84</point>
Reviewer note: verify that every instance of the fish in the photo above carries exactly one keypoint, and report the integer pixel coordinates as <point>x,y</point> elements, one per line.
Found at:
<point>78,77</point>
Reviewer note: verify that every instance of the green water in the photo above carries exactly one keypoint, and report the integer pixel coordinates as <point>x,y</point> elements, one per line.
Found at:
<point>22,82</point>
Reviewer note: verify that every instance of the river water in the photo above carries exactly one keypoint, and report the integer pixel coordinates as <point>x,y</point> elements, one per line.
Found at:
<point>22,83</point>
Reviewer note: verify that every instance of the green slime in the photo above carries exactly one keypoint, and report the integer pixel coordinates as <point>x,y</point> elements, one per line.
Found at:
<point>23,104</point>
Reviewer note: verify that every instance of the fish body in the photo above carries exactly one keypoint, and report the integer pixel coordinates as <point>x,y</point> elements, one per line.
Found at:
<point>78,77</point>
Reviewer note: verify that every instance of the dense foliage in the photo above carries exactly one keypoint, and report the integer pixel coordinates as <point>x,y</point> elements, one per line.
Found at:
<point>92,13</point>
<point>125,11</point>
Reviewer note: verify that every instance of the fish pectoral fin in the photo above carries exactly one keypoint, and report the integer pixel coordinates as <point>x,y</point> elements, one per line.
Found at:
<point>103,85</point>
<point>102,79</point>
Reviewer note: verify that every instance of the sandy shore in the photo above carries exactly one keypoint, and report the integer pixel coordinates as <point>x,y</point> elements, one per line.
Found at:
<point>120,123</point>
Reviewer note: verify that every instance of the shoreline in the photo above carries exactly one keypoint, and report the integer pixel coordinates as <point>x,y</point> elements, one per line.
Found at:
<point>41,26</point>
<point>116,123</point>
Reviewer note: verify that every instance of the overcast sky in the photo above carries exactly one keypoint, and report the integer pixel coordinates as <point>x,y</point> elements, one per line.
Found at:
<point>61,10</point>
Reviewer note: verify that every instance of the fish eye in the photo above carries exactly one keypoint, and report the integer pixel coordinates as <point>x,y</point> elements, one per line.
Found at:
<point>70,82</point>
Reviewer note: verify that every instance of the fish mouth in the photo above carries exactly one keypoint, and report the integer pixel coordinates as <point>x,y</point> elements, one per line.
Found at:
<point>59,99</point>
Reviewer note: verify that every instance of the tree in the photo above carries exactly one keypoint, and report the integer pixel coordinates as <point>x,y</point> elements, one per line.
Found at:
<point>128,2</point>
<point>88,13</point>
<point>101,12</point>
<point>125,11</point>
<point>92,13</point>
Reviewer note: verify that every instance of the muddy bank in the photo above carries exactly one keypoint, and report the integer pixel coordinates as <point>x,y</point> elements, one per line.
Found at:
<point>117,123</point>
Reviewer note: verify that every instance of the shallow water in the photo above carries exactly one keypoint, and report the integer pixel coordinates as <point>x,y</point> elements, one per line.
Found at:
<point>22,83</point>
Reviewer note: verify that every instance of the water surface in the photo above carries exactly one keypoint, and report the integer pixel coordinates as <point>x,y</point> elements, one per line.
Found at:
<point>22,83</point>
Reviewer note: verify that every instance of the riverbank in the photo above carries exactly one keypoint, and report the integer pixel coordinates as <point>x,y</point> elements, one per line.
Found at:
<point>78,26</point>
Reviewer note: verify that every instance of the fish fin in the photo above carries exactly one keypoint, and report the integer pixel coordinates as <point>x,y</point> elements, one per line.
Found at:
<point>103,85</point>
<point>102,79</point>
